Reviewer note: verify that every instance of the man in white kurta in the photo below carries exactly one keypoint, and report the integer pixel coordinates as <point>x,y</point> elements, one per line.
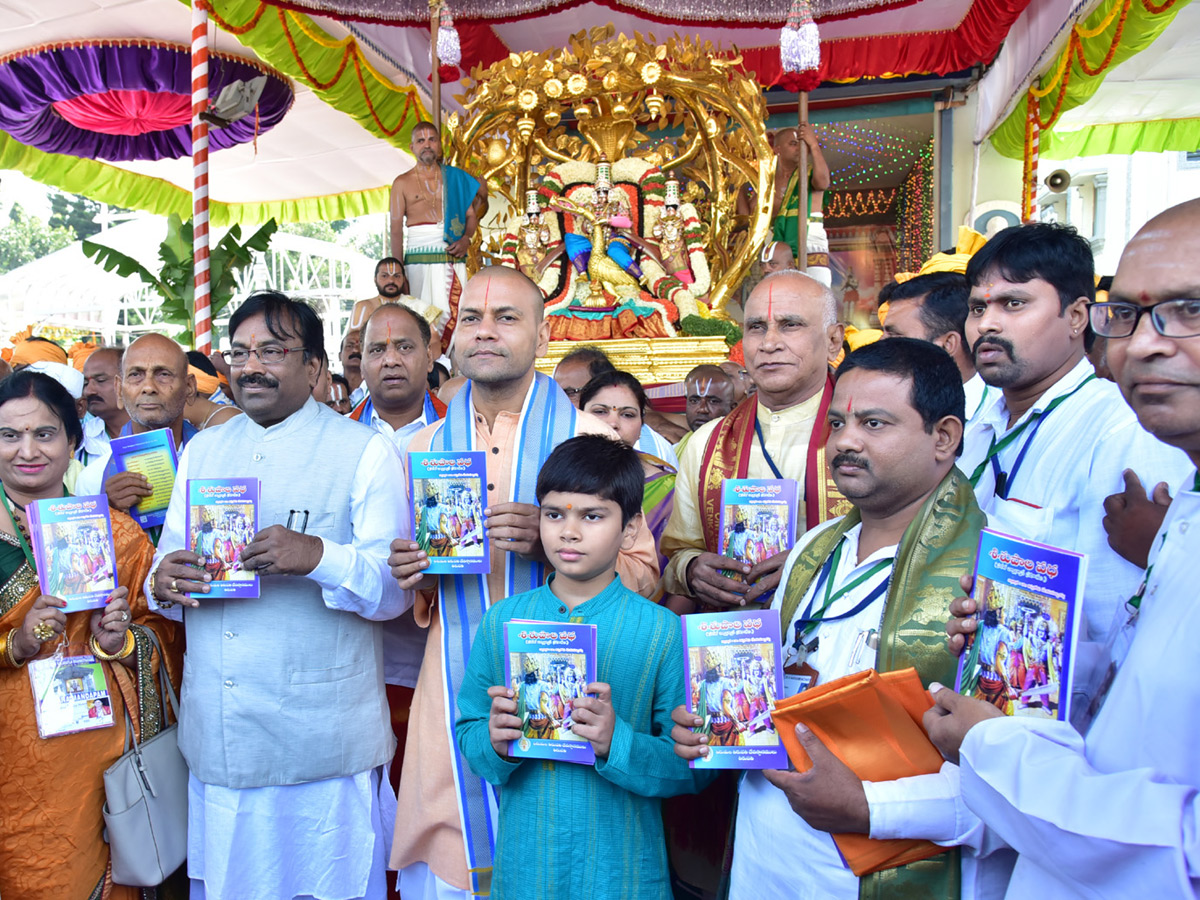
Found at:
<point>283,718</point>
<point>1048,447</point>
<point>1115,813</point>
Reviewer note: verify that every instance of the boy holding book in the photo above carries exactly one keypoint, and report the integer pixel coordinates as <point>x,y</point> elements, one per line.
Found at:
<point>595,831</point>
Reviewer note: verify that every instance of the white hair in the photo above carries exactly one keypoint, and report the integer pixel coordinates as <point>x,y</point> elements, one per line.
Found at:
<point>828,298</point>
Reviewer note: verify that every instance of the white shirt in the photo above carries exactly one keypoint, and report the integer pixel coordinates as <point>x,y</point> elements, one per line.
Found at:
<point>976,390</point>
<point>95,439</point>
<point>403,638</point>
<point>776,853</point>
<point>1115,814</point>
<point>357,395</point>
<point>251,859</point>
<point>650,441</point>
<point>1073,462</point>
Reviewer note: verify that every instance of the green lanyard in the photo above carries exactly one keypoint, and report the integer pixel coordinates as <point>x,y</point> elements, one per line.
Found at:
<point>1135,602</point>
<point>810,620</point>
<point>20,537</point>
<point>997,447</point>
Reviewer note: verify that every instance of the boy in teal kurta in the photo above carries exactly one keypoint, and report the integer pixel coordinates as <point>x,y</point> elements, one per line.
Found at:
<point>568,830</point>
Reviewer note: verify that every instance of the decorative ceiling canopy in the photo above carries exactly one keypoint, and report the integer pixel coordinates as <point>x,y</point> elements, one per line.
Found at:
<point>725,13</point>
<point>125,100</point>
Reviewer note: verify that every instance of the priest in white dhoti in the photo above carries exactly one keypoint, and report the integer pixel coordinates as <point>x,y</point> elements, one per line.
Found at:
<point>1114,813</point>
<point>435,211</point>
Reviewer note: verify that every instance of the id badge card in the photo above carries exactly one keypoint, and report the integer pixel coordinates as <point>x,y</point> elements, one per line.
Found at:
<point>798,678</point>
<point>70,694</point>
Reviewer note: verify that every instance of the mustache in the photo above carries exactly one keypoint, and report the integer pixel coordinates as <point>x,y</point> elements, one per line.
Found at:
<point>849,459</point>
<point>993,341</point>
<point>260,380</point>
<point>93,397</point>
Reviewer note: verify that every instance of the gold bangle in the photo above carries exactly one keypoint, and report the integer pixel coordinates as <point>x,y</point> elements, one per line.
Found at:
<point>126,649</point>
<point>10,657</point>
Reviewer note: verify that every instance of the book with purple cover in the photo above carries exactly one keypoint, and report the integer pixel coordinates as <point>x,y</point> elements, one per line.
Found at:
<point>73,546</point>
<point>758,519</point>
<point>1028,595</point>
<point>548,665</point>
<point>733,673</point>
<point>222,520</point>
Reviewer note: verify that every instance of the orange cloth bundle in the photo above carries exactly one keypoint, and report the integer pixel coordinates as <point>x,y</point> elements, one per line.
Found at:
<point>872,723</point>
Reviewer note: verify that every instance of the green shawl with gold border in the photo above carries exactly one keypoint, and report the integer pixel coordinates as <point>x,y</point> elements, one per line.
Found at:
<point>937,548</point>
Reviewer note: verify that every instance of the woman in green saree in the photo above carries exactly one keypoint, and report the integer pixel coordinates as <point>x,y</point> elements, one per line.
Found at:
<point>617,399</point>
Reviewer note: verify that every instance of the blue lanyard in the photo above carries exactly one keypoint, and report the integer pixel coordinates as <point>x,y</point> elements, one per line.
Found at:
<point>809,621</point>
<point>763,445</point>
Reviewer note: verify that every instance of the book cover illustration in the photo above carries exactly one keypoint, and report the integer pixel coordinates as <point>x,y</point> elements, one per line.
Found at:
<point>222,520</point>
<point>734,674</point>
<point>73,547</point>
<point>448,491</point>
<point>758,519</point>
<point>1028,597</point>
<point>153,455</point>
<point>548,665</point>
<point>70,694</point>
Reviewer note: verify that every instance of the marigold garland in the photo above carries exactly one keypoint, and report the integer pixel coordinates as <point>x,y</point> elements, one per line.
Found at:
<point>350,53</point>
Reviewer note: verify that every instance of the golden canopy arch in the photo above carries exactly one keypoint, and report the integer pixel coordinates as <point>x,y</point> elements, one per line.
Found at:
<point>680,105</point>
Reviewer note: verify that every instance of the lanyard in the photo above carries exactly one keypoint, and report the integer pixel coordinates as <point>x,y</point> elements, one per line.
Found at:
<point>1135,602</point>
<point>763,445</point>
<point>809,621</point>
<point>1004,480</point>
<point>20,537</point>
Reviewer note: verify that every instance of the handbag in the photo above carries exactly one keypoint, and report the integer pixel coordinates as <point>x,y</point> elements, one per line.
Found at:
<point>146,796</point>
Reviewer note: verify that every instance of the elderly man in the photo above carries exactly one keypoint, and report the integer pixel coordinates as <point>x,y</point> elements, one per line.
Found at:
<point>896,424</point>
<point>284,720</point>
<point>396,364</point>
<point>106,414</point>
<point>791,333</point>
<point>1111,813</point>
<point>156,388</point>
<point>443,835</point>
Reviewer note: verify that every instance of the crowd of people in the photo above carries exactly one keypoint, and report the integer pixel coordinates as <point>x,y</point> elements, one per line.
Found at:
<point>354,720</point>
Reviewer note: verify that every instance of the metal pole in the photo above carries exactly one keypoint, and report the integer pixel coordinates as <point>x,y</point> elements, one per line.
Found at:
<point>802,185</point>
<point>202,319</point>
<point>435,9</point>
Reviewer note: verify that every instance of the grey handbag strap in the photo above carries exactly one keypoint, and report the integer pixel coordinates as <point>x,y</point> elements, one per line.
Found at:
<point>166,691</point>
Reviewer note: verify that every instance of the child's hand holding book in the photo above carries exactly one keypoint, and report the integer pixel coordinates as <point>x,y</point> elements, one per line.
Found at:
<point>593,718</point>
<point>503,724</point>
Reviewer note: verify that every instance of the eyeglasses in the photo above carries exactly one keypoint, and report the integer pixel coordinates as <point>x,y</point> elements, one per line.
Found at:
<point>1171,318</point>
<point>270,355</point>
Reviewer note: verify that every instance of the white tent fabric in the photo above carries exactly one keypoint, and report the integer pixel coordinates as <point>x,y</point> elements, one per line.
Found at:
<point>314,151</point>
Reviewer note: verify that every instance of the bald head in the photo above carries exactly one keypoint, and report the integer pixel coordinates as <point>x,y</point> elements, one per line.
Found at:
<point>794,283</point>
<point>790,333</point>
<point>514,286</point>
<point>776,257</point>
<point>1160,376</point>
<point>501,329</point>
<point>710,394</point>
<point>155,382</point>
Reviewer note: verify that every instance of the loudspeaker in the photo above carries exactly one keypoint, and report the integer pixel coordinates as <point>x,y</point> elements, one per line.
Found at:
<point>1058,180</point>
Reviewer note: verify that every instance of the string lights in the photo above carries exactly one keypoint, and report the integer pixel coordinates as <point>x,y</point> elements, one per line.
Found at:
<point>849,204</point>
<point>914,213</point>
<point>870,155</point>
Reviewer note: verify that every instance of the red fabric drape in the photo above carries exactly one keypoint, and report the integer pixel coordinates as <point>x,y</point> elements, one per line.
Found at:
<point>126,112</point>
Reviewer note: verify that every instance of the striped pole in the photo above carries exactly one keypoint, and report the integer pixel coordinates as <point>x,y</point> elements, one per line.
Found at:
<point>202,326</point>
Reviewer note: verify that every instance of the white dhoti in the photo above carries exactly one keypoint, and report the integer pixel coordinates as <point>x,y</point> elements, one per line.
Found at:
<point>818,251</point>
<point>431,271</point>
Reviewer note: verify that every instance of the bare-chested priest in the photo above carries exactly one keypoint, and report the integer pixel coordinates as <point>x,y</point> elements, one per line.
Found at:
<point>435,210</point>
